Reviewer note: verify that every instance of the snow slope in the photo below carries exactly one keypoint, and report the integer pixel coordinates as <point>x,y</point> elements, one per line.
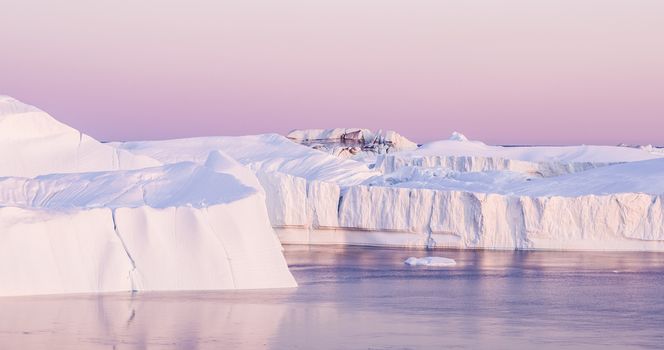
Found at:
<point>265,153</point>
<point>301,184</point>
<point>33,143</point>
<point>181,226</point>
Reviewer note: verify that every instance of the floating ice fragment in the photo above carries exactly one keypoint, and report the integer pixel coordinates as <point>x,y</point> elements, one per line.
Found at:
<point>430,261</point>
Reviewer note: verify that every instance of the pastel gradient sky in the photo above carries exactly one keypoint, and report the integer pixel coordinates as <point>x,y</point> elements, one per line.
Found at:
<point>506,72</point>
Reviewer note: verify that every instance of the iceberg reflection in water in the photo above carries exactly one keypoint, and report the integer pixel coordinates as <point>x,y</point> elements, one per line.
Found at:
<point>360,298</point>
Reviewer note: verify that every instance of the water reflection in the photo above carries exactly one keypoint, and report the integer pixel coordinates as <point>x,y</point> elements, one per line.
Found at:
<point>359,298</point>
<point>179,320</point>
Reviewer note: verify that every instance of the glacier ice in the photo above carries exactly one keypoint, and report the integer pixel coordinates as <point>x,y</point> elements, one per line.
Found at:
<point>266,153</point>
<point>452,194</point>
<point>200,213</point>
<point>78,216</point>
<point>181,226</point>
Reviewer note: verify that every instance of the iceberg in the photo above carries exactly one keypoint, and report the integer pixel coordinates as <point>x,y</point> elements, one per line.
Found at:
<point>452,193</point>
<point>175,227</point>
<point>80,216</point>
<point>493,197</point>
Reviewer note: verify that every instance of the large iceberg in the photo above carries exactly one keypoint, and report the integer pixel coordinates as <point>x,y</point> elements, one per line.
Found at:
<point>453,193</point>
<point>84,225</point>
<point>175,227</point>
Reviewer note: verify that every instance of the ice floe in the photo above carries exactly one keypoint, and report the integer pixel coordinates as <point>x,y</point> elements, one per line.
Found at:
<point>433,261</point>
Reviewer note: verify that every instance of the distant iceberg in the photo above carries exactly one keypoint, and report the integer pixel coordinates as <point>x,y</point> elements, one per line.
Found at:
<point>352,142</point>
<point>457,136</point>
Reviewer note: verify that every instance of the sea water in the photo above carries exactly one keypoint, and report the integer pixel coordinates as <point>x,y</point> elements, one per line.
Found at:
<point>367,298</point>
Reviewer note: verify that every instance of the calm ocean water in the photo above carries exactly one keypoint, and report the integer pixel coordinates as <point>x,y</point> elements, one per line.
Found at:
<point>366,298</point>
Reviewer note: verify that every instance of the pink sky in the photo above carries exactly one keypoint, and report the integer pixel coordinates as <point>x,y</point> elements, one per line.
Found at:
<point>512,71</point>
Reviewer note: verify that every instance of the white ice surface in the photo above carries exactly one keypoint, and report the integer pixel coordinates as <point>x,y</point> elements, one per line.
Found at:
<point>634,177</point>
<point>460,154</point>
<point>78,216</point>
<point>433,261</point>
<point>181,226</point>
<point>559,154</point>
<point>266,153</point>
<point>520,204</point>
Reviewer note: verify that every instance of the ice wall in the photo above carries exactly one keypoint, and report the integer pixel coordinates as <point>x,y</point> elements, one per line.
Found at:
<point>295,202</point>
<point>424,217</point>
<point>47,252</point>
<point>478,220</point>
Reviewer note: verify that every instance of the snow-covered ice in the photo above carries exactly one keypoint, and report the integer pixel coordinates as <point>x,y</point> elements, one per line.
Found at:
<point>555,154</point>
<point>181,226</point>
<point>71,220</point>
<point>201,213</point>
<point>265,153</point>
<point>452,193</point>
<point>433,261</point>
